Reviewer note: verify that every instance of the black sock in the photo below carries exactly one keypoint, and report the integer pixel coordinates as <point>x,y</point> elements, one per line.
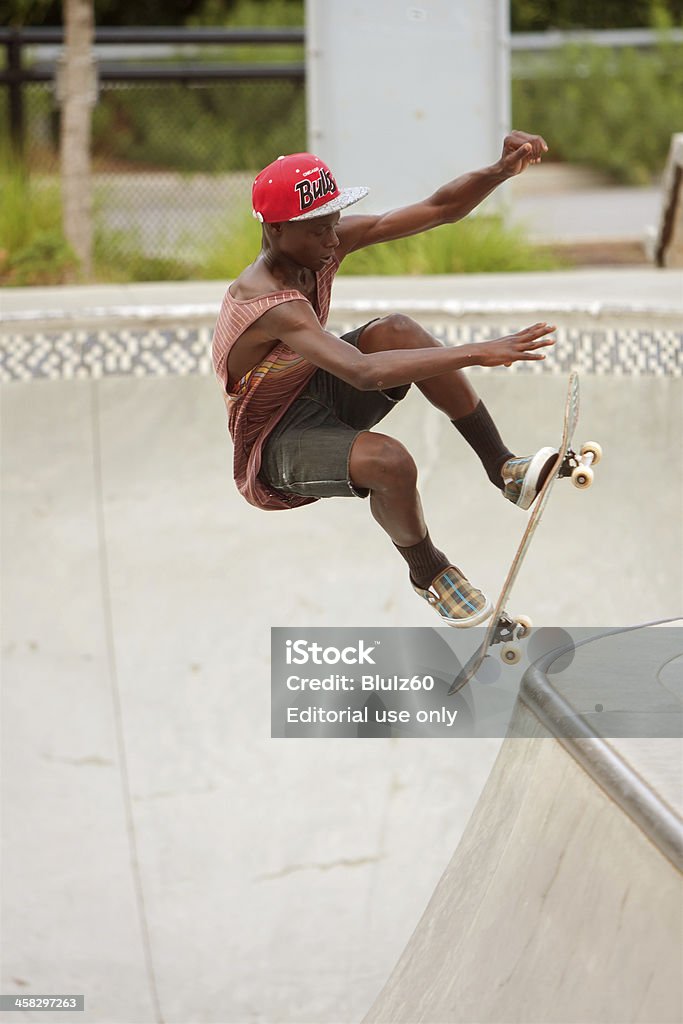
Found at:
<point>424,560</point>
<point>481,434</point>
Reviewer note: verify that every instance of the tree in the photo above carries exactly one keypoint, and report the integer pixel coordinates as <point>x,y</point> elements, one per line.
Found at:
<point>77,89</point>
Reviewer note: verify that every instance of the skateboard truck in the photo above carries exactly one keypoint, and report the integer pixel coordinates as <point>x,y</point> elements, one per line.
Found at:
<point>580,467</point>
<point>507,632</point>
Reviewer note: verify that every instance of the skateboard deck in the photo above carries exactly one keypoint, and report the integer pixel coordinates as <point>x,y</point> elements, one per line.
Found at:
<point>502,628</point>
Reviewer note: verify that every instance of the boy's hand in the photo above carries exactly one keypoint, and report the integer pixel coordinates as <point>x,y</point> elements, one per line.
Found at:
<point>523,345</point>
<point>519,150</point>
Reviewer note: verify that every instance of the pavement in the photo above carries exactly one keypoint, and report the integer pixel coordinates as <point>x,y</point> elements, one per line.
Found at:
<point>165,856</point>
<point>573,205</point>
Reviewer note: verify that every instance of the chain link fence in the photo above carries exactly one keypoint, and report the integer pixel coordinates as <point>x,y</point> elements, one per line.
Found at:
<point>173,157</point>
<point>174,163</point>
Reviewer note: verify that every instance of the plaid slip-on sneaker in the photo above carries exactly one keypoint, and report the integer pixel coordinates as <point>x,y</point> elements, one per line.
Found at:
<point>455,600</point>
<point>525,477</point>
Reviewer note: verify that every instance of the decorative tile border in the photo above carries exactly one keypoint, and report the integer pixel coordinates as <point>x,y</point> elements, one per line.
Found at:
<point>142,350</point>
<point>125,351</point>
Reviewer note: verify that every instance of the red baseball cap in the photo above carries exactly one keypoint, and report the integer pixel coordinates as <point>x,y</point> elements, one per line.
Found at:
<point>299,187</point>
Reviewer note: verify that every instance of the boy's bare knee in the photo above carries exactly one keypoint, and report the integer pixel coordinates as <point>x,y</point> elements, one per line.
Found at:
<point>384,463</point>
<point>399,323</point>
<point>395,331</point>
<point>397,463</point>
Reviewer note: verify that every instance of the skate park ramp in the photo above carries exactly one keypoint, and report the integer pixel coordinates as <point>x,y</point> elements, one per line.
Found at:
<point>564,899</point>
<point>161,854</point>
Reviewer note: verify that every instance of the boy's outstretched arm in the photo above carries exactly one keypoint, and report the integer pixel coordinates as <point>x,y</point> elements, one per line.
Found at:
<point>448,204</point>
<point>296,324</point>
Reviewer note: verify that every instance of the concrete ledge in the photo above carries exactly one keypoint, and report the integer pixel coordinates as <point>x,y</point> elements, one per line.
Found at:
<point>624,321</point>
<point>587,289</point>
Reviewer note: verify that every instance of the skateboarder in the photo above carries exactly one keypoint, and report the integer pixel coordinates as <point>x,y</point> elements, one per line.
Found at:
<point>302,402</point>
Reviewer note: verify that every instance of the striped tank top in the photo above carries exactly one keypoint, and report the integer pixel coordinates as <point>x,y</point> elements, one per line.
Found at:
<point>258,401</point>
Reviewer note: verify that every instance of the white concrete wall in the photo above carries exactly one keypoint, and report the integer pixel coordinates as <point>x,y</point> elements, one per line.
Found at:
<point>403,97</point>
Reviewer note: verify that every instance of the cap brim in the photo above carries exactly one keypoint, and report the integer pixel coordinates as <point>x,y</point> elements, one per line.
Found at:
<point>347,197</point>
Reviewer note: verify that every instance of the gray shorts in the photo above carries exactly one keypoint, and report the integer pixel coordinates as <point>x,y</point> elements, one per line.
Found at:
<point>308,452</point>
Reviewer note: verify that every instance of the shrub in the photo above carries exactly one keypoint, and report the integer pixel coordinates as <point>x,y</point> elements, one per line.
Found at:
<point>614,110</point>
<point>217,127</point>
<point>33,249</point>
<point>475,245</point>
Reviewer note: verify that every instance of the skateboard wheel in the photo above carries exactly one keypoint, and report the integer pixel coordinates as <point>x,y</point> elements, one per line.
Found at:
<point>592,448</point>
<point>582,477</point>
<point>511,654</point>
<point>524,625</point>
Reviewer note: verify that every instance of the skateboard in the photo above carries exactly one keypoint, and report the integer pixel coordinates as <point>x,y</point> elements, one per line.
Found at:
<point>503,628</point>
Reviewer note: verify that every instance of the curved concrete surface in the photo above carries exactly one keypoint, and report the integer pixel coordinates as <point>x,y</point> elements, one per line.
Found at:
<point>162,854</point>
<point>564,900</point>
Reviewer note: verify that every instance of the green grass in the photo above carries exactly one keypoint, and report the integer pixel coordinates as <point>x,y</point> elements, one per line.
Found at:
<point>231,249</point>
<point>120,259</point>
<point>33,249</point>
<point>476,245</point>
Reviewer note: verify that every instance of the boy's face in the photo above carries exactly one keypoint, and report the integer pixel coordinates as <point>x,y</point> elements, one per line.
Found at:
<point>310,243</point>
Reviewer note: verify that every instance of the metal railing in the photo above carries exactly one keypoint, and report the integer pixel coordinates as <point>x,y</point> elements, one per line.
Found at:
<point>177,131</point>
<point>15,76</point>
<point>554,39</point>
